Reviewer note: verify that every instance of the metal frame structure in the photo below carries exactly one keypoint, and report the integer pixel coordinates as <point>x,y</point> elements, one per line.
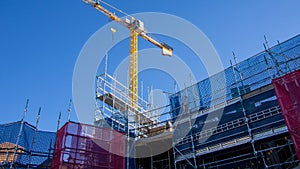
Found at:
<point>87,146</point>
<point>114,98</point>
<point>254,117</point>
<point>249,84</point>
<point>32,149</point>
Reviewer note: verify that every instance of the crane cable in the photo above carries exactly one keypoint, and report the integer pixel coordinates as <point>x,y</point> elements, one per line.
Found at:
<point>119,10</point>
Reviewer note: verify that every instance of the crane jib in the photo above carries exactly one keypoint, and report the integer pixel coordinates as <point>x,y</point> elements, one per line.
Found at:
<point>136,28</point>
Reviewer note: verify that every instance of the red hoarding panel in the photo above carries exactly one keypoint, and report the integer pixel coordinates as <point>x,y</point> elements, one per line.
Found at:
<point>287,90</point>
<point>88,147</point>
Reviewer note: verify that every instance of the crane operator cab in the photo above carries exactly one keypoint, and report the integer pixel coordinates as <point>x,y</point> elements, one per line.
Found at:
<point>138,26</point>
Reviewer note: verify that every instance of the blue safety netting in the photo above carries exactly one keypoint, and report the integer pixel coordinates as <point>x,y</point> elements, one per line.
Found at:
<point>219,96</point>
<point>42,147</point>
<point>246,76</point>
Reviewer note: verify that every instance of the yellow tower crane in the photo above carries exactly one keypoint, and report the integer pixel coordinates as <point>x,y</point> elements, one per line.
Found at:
<point>136,28</point>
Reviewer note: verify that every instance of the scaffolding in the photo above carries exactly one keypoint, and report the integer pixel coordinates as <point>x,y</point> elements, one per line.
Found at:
<point>114,109</point>
<point>287,91</point>
<point>87,146</point>
<point>252,126</point>
<point>22,145</point>
<point>114,105</point>
<point>33,149</point>
<point>251,115</point>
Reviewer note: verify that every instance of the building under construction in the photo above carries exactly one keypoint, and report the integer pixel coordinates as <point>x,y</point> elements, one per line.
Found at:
<point>246,116</point>
<point>251,123</point>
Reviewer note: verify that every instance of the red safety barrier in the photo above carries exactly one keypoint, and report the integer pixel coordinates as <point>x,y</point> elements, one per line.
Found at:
<point>287,90</point>
<point>88,147</point>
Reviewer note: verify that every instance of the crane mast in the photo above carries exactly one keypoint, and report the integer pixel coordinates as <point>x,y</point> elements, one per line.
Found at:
<point>136,28</point>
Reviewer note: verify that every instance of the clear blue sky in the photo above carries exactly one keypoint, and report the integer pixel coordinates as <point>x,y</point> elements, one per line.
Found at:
<point>40,42</point>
